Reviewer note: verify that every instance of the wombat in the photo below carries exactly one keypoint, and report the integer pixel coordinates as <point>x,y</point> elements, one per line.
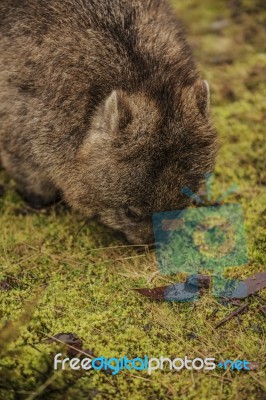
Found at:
<point>101,103</point>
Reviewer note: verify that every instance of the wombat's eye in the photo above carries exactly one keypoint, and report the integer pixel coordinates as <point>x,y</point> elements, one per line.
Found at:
<point>133,214</point>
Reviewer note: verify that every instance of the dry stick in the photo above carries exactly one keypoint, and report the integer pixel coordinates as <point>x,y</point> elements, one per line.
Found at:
<point>120,247</point>
<point>81,228</point>
<point>232,315</point>
<point>222,377</point>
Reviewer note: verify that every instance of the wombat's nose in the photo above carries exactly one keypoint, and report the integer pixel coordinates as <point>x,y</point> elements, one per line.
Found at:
<point>142,240</point>
<point>139,242</point>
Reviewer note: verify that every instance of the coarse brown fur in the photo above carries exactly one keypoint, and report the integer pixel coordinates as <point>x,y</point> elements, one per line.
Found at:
<point>101,102</point>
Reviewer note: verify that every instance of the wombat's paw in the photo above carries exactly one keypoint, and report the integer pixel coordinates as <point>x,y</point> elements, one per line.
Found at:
<point>38,202</point>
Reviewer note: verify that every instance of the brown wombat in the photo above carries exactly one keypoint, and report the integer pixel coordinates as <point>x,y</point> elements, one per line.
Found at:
<point>101,103</point>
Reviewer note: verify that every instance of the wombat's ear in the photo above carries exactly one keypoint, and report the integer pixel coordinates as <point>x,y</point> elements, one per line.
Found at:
<point>202,90</point>
<point>208,94</point>
<point>111,114</point>
<point>116,112</point>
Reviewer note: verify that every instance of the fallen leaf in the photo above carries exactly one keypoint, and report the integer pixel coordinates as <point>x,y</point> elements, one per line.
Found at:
<point>74,346</point>
<point>250,286</point>
<point>253,365</point>
<point>195,285</point>
<point>5,285</point>
<point>156,293</point>
<point>179,291</point>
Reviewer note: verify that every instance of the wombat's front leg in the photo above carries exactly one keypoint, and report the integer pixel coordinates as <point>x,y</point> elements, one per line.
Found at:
<point>39,200</point>
<point>34,187</point>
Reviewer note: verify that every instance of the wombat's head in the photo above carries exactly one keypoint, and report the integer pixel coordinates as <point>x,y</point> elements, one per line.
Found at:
<point>138,156</point>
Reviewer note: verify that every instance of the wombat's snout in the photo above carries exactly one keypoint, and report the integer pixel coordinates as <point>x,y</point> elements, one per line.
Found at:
<point>131,223</point>
<point>140,235</point>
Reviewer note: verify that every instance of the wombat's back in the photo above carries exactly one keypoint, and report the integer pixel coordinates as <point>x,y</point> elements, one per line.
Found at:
<point>95,44</point>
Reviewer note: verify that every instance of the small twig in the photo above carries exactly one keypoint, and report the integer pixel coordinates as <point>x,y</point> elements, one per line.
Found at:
<point>222,377</point>
<point>119,247</point>
<point>81,228</point>
<point>123,259</point>
<point>233,314</point>
<point>214,312</point>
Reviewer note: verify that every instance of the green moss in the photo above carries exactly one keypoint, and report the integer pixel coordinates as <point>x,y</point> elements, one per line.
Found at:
<point>86,277</point>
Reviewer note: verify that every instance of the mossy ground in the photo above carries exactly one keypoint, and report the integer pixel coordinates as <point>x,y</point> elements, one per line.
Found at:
<point>80,280</point>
